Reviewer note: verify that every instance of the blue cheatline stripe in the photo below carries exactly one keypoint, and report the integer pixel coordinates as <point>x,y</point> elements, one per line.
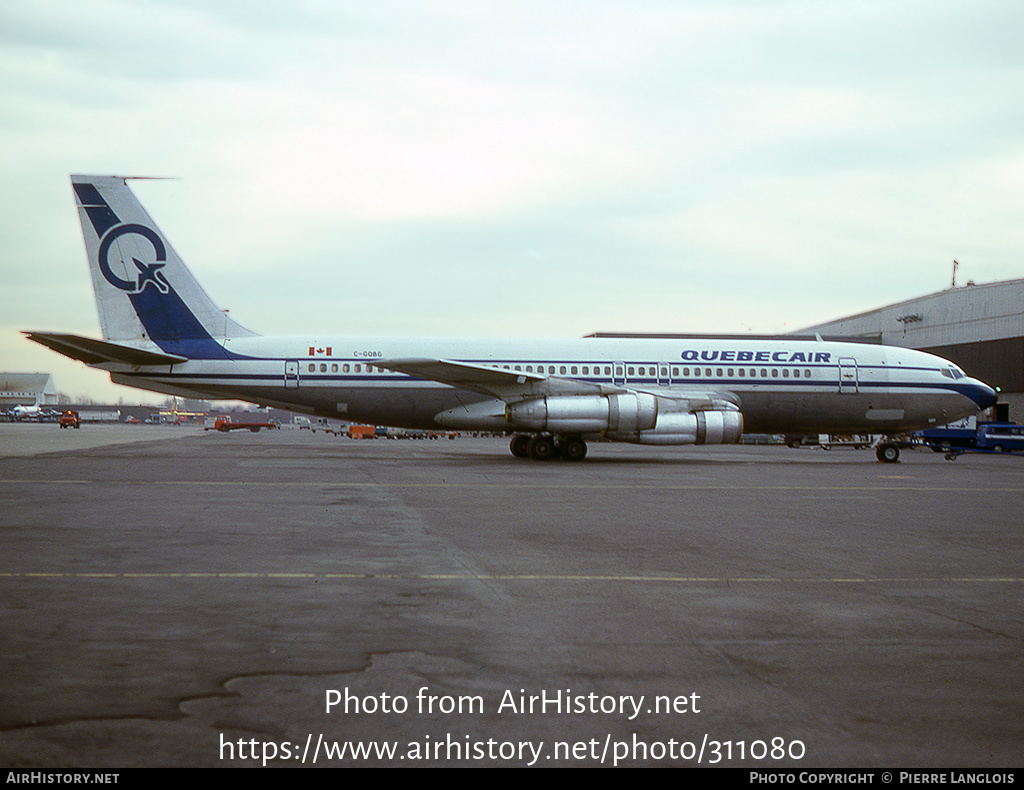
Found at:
<point>826,387</point>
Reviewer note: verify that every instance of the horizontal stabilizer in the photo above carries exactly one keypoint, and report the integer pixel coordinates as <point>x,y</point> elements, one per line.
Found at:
<point>94,352</point>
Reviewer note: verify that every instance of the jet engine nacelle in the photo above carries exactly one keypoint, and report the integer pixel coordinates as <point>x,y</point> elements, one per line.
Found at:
<point>701,427</point>
<point>628,417</point>
<point>625,413</point>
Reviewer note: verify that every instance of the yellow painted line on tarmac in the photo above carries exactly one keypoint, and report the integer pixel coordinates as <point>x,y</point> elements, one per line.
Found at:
<point>573,485</point>
<point>522,577</point>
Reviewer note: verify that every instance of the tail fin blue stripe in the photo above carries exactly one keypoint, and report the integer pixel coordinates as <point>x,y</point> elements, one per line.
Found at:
<point>172,326</point>
<point>100,214</point>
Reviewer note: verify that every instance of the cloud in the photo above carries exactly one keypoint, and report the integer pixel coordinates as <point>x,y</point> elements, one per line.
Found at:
<point>517,167</point>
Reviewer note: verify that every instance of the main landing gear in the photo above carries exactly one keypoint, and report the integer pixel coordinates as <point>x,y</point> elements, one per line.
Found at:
<point>545,447</point>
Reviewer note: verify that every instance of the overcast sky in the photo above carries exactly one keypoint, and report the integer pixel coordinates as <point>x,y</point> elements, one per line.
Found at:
<point>510,168</point>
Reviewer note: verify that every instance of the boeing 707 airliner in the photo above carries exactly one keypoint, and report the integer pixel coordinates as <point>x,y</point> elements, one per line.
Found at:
<point>162,332</point>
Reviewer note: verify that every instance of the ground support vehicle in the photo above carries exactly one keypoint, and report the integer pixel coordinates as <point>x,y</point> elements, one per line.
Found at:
<point>987,437</point>
<point>224,424</point>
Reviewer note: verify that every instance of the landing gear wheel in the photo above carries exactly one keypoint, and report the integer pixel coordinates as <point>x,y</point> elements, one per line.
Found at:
<point>574,449</point>
<point>542,448</point>
<point>520,445</point>
<point>888,453</point>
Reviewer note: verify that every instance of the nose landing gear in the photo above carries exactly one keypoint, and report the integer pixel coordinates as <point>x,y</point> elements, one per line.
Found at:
<point>888,453</point>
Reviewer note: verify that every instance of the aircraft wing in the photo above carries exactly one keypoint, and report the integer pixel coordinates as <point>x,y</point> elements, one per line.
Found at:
<point>694,399</point>
<point>508,385</point>
<point>515,385</point>
<point>94,352</point>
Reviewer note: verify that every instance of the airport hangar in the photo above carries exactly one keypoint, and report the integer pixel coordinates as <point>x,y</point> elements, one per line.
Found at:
<point>27,389</point>
<point>978,327</point>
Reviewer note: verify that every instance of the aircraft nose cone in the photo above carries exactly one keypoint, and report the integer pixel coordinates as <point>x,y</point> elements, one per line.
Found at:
<point>983,395</point>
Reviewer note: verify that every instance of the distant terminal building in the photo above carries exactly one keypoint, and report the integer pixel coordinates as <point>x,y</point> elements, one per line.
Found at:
<point>27,389</point>
<point>979,327</point>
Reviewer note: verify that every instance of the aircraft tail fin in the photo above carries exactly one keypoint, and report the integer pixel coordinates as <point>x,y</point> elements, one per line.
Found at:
<point>145,294</point>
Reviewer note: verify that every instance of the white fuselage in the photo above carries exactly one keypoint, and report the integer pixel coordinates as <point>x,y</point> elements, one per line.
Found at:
<point>795,386</point>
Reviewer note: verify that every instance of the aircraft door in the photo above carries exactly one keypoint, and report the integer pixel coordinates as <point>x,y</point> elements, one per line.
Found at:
<point>664,379</point>
<point>619,373</point>
<point>848,375</point>
<point>291,374</point>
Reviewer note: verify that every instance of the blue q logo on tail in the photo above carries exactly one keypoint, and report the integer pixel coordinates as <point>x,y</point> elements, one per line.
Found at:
<point>148,272</point>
